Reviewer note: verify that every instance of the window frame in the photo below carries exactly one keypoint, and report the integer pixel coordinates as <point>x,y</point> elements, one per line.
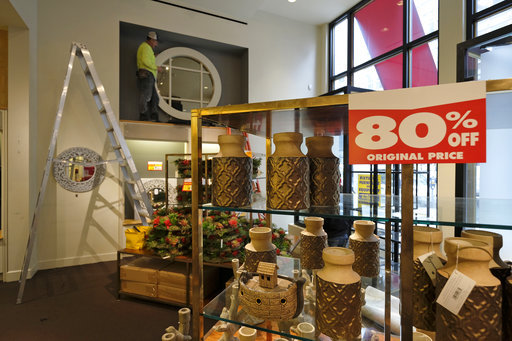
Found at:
<point>206,67</point>
<point>405,49</point>
<point>472,17</point>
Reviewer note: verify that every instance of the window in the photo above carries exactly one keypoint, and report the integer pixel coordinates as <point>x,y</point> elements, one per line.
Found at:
<point>484,16</point>
<point>188,80</point>
<point>383,45</point>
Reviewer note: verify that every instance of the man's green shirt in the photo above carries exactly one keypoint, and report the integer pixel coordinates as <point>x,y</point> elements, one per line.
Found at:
<point>146,58</point>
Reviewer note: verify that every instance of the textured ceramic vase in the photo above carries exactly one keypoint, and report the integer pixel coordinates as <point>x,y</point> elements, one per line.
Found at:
<point>232,173</point>
<point>480,317</point>
<point>365,245</point>
<point>425,240</point>
<point>338,295</point>
<point>313,242</point>
<point>288,174</point>
<point>324,171</point>
<point>247,334</point>
<point>260,248</point>
<point>507,311</point>
<point>305,329</point>
<point>498,267</point>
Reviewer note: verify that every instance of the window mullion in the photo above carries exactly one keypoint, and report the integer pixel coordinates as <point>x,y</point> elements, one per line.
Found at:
<point>350,49</point>
<point>470,18</point>
<point>422,40</point>
<point>330,51</point>
<point>406,36</point>
<point>476,16</point>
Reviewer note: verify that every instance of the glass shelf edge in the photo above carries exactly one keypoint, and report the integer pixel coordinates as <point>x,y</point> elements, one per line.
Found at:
<point>238,323</point>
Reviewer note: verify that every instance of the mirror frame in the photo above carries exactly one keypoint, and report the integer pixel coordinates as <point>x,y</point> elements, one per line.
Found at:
<point>61,167</point>
<point>202,59</point>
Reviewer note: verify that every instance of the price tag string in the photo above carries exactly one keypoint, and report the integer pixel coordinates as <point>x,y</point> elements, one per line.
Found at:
<point>469,247</point>
<point>457,258</point>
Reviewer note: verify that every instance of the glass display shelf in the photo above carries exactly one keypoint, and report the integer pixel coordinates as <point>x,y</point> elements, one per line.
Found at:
<point>308,115</point>
<point>213,310</point>
<point>182,259</point>
<point>460,212</point>
<point>328,116</point>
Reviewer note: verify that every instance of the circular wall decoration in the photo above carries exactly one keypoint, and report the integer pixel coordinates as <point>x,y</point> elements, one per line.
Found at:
<point>79,169</point>
<point>187,80</point>
<point>156,186</point>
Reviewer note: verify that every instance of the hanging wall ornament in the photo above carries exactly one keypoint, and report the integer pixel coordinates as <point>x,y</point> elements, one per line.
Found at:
<point>338,295</point>
<point>325,172</point>
<point>288,174</point>
<point>232,172</point>
<point>313,242</point>
<point>480,317</point>
<point>365,245</point>
<point>425,240</point>
<point>259,249</point>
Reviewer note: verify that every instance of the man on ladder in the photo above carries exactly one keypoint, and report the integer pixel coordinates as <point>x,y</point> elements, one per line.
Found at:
<point>146,78</point>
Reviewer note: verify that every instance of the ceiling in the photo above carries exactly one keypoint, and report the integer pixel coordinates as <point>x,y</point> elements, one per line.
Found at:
<point>9,16</point>
<point>315,12</point>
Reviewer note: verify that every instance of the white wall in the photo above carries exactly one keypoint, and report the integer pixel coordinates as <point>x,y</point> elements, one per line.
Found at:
<point>81,228</point>
<point>285,62</point>
<point>18,134</point>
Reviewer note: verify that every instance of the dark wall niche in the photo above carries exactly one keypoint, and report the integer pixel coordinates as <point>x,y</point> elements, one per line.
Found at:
<point>231,62</point>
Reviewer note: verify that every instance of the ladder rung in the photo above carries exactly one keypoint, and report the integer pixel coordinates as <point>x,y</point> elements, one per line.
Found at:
<point>110,130</point>
<point>137,197</point>
<point>144,213</point>
<point>118,147</point>
<point>131,182</point>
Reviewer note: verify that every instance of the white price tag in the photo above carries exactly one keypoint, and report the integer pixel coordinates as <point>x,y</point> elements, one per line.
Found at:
<point>455,292</point>
<point>431,262</point>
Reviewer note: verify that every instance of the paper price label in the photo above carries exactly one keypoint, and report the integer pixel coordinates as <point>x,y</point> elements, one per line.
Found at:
<point>455,292</point>
<point>431,263</point>
<point>187,185</point>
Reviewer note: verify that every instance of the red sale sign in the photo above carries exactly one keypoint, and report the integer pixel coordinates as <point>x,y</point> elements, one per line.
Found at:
<point>447,133</point>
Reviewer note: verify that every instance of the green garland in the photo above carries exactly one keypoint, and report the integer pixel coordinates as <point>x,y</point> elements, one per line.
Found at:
<point>225,235</point>
<point>171,234</point>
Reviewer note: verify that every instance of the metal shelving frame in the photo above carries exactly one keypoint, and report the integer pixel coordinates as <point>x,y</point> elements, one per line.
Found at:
<point>257,118</point>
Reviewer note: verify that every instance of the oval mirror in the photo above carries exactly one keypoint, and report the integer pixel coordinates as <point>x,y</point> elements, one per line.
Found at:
<point>79,169</point>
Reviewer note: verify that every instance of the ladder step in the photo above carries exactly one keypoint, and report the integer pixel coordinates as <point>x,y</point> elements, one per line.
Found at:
<point>110,130</point>
<point>144,213</point>
<point>118,147</point>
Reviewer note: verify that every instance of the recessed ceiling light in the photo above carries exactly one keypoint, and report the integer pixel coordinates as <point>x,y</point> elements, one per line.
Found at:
<point>291,0</point>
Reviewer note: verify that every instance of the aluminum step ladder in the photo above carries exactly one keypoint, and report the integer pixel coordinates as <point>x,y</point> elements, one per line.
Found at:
<point>130,174</point>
